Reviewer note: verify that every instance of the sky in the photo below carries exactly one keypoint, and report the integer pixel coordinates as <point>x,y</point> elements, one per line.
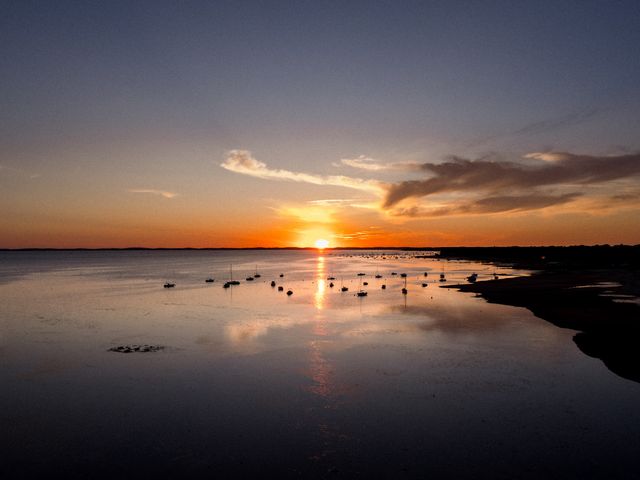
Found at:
<point>275,124</point>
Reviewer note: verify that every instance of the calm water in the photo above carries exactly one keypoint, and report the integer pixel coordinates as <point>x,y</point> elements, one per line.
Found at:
<point>319,384</point>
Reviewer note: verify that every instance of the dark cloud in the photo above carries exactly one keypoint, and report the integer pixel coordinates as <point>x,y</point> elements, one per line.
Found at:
<point>491,204</point>
<point>498,178</point>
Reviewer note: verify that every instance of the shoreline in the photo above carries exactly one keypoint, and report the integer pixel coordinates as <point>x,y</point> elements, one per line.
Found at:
<point>572,297</point>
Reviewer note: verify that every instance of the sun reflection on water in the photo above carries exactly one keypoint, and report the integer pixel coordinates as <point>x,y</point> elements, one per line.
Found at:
<point>318,297</point>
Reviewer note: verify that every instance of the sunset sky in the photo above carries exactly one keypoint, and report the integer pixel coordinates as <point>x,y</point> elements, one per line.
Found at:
<point>273,124</point>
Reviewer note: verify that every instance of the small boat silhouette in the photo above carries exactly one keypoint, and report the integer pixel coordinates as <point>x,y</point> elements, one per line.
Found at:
<point>249,279</point>
<point>289,292</point>
<point>273,283</point>
<point>209,280</point>
<point>331,285</point>
<point>281,288</point>
<point>361,274</point>
<point>257,275</point>
<point>169,285</point>
<point>362,293</point>
<point>472,278</point>
<point>403,275</point>
<point>425,285</point>
<point>383,287</point>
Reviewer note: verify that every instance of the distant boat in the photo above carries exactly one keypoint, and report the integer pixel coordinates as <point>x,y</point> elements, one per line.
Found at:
<point>331,285</point>
<point>426,274</point>
<point>495,276</point>
<point>342,287</point>
<point>256,275</point>
<point>404,290</point>
<point>393,273</point>
<point>378,274</point>
<point>209,280</point>
<point>331,278</point>
<point>281,288</point>
<point>472,278</point>
<point>403,275</point>
<point>289,292</point>
<point>362,293</point>
<point>273,283</point>
<point>281,275</point>
<point>249,279</point>
<point>365,283</point>
<point>169,285</point>
<point>361,274</point>
<point>383,287</point>
<point>425,285</point>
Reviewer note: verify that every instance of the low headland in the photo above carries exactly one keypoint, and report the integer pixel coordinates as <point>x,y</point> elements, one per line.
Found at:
<point>594,290</point>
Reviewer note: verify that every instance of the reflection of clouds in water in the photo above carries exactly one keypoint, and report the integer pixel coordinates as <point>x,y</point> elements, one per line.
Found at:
<point>467,317</point>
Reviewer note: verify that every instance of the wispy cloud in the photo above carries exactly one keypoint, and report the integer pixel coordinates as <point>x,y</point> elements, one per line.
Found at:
<point>161,193</point>
<point>241,161</point>
<point>366,163</point>
<point>542,126</point>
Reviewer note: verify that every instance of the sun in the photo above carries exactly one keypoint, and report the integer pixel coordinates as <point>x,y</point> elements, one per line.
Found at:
<point>321,243</point>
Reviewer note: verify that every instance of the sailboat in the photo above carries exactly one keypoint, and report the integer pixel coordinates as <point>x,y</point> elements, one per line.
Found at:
<point>377,274</point>
<point>342,287</point>
<point>231,280</point>
<point>442,277</point>
<point>404,289</point>
<point>257,275</point>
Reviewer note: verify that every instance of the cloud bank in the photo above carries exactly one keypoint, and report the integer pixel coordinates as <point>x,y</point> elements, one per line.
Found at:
<point>462,186</point>
<point>499,177</point>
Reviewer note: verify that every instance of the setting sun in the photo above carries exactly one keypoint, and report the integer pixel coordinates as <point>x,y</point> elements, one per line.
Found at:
<point>321,243</point>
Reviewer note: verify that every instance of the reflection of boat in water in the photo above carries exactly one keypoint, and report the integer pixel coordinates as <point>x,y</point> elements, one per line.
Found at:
<point>169,285</point>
